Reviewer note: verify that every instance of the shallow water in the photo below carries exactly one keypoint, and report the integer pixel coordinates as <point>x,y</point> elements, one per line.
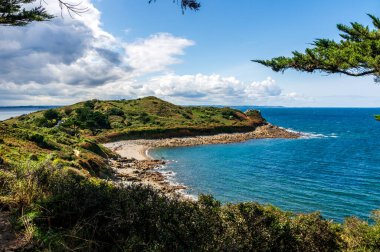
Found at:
<point>335,169</point>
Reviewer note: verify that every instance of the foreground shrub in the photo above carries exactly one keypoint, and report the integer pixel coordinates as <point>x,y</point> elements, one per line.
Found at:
<point>68,211</point>
<point>361,236</point>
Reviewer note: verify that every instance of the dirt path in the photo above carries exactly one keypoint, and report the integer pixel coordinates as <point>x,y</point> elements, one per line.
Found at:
<point>9,240</point>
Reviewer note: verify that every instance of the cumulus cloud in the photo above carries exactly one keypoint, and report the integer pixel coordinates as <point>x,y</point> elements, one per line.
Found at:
<point>79,52</point>
<point>156,52</point>
<point>67,60</point>
<point>210,88</point>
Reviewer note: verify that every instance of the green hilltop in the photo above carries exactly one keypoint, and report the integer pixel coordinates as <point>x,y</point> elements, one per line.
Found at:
<point>60,133</point>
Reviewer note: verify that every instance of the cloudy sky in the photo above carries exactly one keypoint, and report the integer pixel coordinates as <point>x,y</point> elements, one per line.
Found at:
<point>123,49</point>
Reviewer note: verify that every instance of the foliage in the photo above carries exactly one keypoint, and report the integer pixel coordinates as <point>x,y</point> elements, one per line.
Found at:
<point>51,114</point>
<point>14,13</point>
<point>357,54</point>
<point>186,4</point>
<point>90,119</point>
<point>115,111</point>
<point>229,113</point>
<point>68,211</point>
<point>17,13</point>
<point>73,212</point>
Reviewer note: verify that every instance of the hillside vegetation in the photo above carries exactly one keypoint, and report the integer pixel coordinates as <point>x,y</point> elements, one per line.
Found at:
<point>52,170</point>
<point>70,136</point>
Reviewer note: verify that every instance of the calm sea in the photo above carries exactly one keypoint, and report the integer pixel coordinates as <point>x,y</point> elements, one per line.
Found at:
<point>8,112</point>
<point>335,169</point>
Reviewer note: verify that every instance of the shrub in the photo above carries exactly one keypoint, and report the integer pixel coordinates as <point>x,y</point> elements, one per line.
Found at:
<point>117,125</point>
<point>40,141</point>
<point>68,110</point>
<point>51,114</point>
<point>229,113</point>
<point>115,111</point>
<point>144,118</point>
<point>92,120</point>
<point>42,122</point>
<point>90,104</point>
<point>33,157</point>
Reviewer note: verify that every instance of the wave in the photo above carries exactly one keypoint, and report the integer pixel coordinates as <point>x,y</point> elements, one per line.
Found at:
<point>171,178</point>
<point>311,135</point>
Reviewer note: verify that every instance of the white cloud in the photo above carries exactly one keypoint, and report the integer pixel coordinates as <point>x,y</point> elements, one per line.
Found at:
<point>79,52</point>
<point>156,52</point>
<point>208,89</point>
<point>68,60</point>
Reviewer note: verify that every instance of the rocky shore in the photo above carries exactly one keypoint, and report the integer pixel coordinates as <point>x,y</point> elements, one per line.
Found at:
<point>135,165</point>
<point>146,172</point>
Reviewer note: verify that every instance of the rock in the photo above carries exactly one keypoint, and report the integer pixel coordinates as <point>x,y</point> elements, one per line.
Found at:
<point>133,179</point>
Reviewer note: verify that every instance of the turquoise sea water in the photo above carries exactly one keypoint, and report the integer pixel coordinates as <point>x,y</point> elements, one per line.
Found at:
<point>335,169</point>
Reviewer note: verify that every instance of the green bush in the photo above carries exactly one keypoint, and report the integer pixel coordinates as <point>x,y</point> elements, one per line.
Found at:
<point>115,111</point>
<point>68,111</point>
<point>40,141</point>
<point>51,114</point>
<point>76,213</point>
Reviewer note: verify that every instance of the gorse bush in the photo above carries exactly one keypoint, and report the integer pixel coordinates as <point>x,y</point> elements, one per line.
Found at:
<point>71,212</point>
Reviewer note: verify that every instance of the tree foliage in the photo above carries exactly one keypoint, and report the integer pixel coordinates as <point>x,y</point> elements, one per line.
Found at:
<point>51,114</point>
<point>186,4</point>
<point>356,54</point>
<point>20,12</point>
<point>14,13</point>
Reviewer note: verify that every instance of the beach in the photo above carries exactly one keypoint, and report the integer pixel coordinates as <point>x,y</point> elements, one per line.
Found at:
<point>136,166</point>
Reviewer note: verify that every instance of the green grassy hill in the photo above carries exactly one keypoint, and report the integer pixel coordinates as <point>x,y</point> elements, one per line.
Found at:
<point>60,134</point>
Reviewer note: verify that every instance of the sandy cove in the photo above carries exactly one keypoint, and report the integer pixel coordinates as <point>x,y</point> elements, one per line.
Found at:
<point>136,166</point>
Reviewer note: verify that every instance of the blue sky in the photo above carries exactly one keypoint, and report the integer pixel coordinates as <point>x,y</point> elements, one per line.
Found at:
<point>209,58</point>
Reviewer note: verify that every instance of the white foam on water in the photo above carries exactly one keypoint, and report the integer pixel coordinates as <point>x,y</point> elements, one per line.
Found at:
<point>170,177</point>
<point>311,135</point>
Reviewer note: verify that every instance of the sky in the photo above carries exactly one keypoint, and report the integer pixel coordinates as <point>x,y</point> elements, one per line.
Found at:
<point>124,49</point>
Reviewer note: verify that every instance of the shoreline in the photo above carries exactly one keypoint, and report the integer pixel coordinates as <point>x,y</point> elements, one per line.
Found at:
<point>135,165</point>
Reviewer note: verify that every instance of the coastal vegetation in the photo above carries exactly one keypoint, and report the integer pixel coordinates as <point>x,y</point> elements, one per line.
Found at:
<point>357,54</point>
<point>70,135</point>
<point>55,180</point>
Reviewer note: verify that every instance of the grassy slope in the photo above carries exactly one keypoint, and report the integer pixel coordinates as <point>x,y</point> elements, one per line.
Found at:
<point>26,139</point>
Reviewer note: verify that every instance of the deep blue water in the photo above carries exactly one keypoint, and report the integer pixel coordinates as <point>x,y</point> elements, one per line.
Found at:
<point>8,112</point>
<point>335,170</point>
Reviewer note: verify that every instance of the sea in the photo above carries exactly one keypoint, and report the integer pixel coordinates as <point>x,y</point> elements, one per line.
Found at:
<point>9,112</point>
<point>334,168</point>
